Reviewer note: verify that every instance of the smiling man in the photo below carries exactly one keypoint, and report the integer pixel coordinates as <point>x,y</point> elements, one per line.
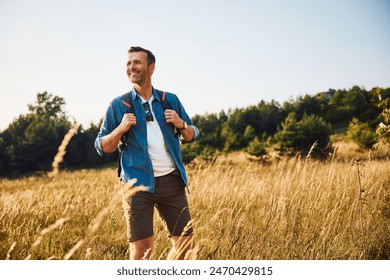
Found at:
<point>150,124</point>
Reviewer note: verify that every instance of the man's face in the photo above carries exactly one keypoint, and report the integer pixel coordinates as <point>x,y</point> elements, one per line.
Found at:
<point>138,70</point>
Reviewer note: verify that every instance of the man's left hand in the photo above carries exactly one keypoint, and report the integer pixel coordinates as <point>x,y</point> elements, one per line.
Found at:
<point>172,117</point>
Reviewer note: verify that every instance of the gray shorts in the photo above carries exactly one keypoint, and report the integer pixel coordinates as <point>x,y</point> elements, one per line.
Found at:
<point>170,200</point>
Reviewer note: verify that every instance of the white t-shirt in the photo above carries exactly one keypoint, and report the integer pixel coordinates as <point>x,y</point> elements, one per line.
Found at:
<point>162,159</point>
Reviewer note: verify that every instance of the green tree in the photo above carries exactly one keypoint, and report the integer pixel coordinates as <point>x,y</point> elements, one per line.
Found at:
<point>190,151</point>
<point>210,126</point>
<point>3,157</point>
<point>48,106</point>
<point>286,137</point>
<point>299,136</point>
<point>81,151</point>
<point>256,148</point>
<point>263,118</point>
<point>303,105</point>
<point>233,141</point>
<point>39,146</point>
<point>353,103</point>
<point>31,141</point>
<point>249,133</point>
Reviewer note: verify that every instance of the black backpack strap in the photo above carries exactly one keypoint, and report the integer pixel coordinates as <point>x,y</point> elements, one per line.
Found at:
<point>127,102</point>
<point>166,105</point>
<point>164,101</point>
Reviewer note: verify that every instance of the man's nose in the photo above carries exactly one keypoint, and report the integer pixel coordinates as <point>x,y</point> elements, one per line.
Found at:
<point>130,65</point>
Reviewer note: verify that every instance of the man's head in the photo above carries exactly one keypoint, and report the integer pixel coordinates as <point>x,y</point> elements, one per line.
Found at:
<point>140,65</point>
<point>150,55</point>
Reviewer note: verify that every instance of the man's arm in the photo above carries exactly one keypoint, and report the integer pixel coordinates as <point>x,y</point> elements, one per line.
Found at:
<point>172,117</point>
<point>111,140</point>
<point>188,133</point>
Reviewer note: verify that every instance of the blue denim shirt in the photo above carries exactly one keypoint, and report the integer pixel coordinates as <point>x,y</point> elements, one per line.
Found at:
<point>135,160</point>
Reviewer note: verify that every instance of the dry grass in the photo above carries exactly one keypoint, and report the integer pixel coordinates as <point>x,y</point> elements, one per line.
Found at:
<point>294,209</point>
<point>290,209</point>
<point>348,150</point>
<point>62,150</point>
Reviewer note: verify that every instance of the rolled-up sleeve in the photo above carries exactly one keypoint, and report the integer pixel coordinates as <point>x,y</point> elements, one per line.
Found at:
<point>98,146</point>
<point>196,135</point>
<point>108,125</point>
<point>187,119</point>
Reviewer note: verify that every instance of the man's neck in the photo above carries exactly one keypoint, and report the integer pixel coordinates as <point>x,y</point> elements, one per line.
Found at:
<point>145,91</point>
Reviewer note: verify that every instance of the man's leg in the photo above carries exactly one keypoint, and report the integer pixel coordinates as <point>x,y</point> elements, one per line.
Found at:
<point>173,209</point>
<point>180,246</point>
<point>138,210</point>
<point>141,249</point>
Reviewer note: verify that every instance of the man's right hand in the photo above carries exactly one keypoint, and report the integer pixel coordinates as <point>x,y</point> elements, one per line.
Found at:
<point>110,141</point>
<point>128,120</point>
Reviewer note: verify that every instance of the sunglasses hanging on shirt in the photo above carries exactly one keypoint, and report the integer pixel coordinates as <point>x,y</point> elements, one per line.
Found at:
<point>148,113</point>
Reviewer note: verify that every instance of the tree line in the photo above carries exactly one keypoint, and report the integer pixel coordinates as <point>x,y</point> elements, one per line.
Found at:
<point>31,141</point>
<point>294,126</point>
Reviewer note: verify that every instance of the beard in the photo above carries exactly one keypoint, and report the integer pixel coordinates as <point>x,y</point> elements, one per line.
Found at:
<point>137,77</point>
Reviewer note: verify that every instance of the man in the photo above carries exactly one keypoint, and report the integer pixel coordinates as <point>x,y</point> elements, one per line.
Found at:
<point>152,156</point>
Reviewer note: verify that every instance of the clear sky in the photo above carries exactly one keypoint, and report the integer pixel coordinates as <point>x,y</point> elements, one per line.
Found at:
<point>213,54</point>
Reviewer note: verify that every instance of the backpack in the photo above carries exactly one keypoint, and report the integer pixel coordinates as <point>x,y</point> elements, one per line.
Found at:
<point>127,101</point>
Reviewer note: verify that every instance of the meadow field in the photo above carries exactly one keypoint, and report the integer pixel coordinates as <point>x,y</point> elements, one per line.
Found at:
<point>287,209</point>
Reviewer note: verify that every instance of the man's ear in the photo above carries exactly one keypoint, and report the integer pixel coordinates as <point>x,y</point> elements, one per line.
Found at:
<point>151,68</point>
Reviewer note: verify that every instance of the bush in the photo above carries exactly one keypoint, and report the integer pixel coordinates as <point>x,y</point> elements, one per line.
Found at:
<point>189,152</point>
<point>299,136</point>
<point>383,129</point>
<point>256,148</point>
<point>361,133</point>
<point>208,153</point>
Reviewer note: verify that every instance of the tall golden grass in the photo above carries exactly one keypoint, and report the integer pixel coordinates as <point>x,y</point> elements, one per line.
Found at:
<point>290,209</point>
<point>62,150</point>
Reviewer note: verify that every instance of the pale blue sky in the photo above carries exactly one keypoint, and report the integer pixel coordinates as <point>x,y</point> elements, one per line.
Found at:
<point>213,54</point>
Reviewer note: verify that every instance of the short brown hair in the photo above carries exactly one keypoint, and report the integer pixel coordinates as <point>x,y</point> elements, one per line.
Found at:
<point>151,57</point>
